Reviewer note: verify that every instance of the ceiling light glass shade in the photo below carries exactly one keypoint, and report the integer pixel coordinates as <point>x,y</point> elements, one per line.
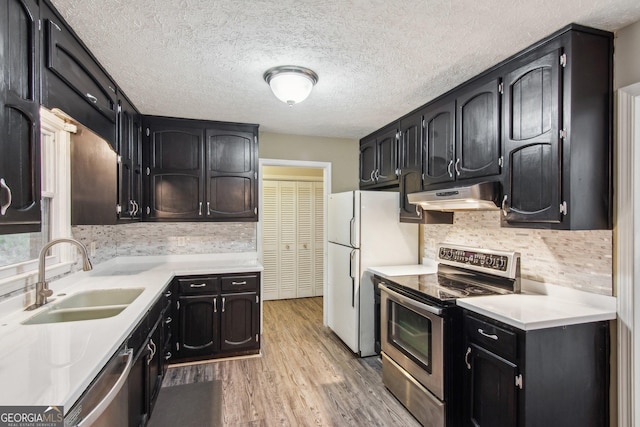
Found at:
<point>291,84</point>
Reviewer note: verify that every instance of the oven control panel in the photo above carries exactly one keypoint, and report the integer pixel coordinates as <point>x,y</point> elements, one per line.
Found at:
<point>494,262</point>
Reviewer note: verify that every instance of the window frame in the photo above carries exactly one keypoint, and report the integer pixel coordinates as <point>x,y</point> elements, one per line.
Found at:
<point>55,140</point>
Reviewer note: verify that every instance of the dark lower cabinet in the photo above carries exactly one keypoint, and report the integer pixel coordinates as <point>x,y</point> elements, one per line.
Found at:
<point>148,342</point>
<point>217,315</point>
<point>493,376</point>
<point>552,377</point>
<point>19,117</point>
<point>198,325</point>
<point>240,322</point>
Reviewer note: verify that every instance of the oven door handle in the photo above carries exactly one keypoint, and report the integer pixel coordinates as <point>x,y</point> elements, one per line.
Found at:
<point>408,301</point>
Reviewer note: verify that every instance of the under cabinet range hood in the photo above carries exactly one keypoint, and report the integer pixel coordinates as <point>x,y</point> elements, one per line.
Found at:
<point>478,197</point>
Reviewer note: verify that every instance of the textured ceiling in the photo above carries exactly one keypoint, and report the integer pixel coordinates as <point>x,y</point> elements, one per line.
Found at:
<point>376,59</point>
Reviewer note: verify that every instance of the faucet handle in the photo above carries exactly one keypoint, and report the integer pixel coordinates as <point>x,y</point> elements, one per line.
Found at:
<point>46,293</point>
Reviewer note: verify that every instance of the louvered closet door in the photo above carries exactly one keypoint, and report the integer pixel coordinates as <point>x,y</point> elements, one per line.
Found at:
<point>318,244</point>
<point>305,239</point>
<point>287,247</point>
<point>270,240</point>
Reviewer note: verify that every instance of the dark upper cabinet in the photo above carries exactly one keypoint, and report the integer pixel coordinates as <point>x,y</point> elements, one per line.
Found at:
<point>439,142</point>
<point>174,156</point>
<point>129,161</point>
<point>73,81</point>
<point>199,170</point>
<point>478,130</point>
<point>410,165</point>
<point>240,321</point>
<point>19,117</point>
<point>231,172</point>
<point>379,159</point>
<point>558,132</point>
<point>532,142</point>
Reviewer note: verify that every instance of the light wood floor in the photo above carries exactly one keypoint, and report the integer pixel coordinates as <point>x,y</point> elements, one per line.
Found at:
<point>306,376</point>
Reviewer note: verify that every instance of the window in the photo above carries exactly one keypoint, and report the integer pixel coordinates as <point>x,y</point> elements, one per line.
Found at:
<point>19,252</point>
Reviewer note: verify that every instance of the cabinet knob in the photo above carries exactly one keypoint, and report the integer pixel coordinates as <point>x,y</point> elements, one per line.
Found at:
<point>3,208</point>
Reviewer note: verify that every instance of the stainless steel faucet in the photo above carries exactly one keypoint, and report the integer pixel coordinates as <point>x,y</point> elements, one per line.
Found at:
<point>42,286</point>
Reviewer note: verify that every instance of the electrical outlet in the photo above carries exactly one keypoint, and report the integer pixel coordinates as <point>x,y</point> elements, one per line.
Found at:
<point>92,249</point>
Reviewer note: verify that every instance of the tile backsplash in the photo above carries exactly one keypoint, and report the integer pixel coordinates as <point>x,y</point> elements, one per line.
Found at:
<point>581,260</point>
<point>175,238</point>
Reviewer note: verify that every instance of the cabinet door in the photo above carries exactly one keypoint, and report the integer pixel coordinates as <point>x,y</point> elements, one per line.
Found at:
<point>410,166</point>
<point>199,325</point>
<point>231,175</point>
<point>240,322</point>
<point>74,81</point>
<point>129,167</point>
<point>387,154</point>
<point>368,163</point>
<point>439,137</point>
<point>155,362</point>
<point>492,394</point>
<point>533,153</point>
<point>478,131</point>
<point>137,389</point>
<point>19,117</point>
<point>175,156</point>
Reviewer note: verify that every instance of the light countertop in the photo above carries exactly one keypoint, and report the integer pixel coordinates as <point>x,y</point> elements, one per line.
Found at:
<point>52,364</point>
<point>539,305</point>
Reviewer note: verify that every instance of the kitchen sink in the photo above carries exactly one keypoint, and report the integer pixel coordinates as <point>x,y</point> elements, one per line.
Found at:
<point>99,297</point>
<point>87,305</point>
<point>54,315</point>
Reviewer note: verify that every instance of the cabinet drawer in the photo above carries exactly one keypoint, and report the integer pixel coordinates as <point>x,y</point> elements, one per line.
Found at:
<point>240,283</point>
<point>196,286</point>
<point>491,337</point>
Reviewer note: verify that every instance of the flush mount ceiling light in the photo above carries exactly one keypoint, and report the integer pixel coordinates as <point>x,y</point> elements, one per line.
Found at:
<point>291,84</point>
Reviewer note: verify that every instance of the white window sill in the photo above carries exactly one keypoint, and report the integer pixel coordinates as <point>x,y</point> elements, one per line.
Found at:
<point>24,280</point>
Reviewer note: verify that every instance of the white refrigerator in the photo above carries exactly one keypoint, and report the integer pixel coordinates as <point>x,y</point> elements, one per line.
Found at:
<point>363,231</point>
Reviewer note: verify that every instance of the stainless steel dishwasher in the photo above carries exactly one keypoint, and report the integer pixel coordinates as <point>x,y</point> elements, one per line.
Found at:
<point>105,403</point>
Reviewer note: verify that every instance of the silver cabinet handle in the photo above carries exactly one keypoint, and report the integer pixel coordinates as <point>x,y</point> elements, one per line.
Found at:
<point>168,320</point>
<point>449,168</point>
<point>466,358</point>
<point>373,177</point>
<point>244,282</point>
<point>378,176</point>
<point>215,305</point>
<point>208,208</point>
<point>223,303</point>
<point>3,208</point>
<point>456,167</point>
<point>483,333</point>
<point>505,208</point>
<point>418,211</point>
<point>200,208</point>
<point>167,294</point>
<point>197,285</point>
<point>92,98</point>
<point>150,356</point>
<point>168,355</point>
<point>99,409</point>
<point>137,207</point>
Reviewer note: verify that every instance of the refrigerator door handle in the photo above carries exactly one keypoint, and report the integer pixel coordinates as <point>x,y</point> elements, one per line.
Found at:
<point>353,279</point>
<point>352,221</point>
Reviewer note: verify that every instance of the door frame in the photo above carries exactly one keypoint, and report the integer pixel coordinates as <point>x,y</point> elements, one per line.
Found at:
<point>326,181</point>
<point>627,253</point>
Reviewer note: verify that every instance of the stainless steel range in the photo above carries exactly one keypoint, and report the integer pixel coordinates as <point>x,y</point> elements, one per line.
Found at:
<point>421,327</point>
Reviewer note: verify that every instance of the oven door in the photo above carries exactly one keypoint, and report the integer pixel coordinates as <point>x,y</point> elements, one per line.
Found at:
<point>412,335</point>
